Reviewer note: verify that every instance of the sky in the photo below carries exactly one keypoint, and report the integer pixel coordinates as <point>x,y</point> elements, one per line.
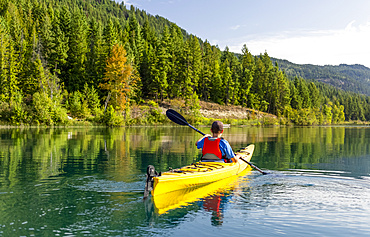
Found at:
<point>319,32</point>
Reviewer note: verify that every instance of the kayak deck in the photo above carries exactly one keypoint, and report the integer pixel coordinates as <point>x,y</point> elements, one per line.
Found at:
<point>199,173</point>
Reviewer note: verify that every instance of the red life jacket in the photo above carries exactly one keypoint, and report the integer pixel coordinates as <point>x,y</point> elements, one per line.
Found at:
<point>212,147</point>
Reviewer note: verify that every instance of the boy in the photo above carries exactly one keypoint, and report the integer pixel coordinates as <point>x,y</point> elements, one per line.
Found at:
<point>215,148</point>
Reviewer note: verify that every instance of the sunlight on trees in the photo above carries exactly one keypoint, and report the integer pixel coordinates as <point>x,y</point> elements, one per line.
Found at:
<point>118,79</point>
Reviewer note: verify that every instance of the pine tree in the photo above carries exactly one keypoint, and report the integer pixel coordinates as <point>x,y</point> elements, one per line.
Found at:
<point>160,83</point>
<point>65,25</point>
<point>135,40</point>
<point>179,53</point>
<point>109,38</point>
<point>28,76</point>
<point>296,99</point>
<point>196,60</point>
<point>216,82</point>
<point>258,88</point>
<point>231,82</point>
<point>314,95</point>
<point>183,84</point>
<point>78,49</point>
<point>149,46</point>
<point>151,84</point>
<point>303,91</point>
<point>58,56</point>
<point>283,94</point>
<point>95,65</point>
<point>46,40</point>
<point>227,83</point>
<point>209,72</point>
<point>8,65</point>
<point>247,73</point>
<point>273,92</point>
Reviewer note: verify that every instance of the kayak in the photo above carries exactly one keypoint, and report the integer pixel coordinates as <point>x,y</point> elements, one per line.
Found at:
<point>184,197</point>
<point>199,173</point>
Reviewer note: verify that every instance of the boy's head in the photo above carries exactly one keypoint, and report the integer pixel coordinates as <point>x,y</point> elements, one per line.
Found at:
<point>217,127</point>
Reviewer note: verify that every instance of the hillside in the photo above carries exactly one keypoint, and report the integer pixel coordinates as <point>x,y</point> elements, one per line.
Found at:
<point>354,78</point>
<point>95,60</point>
<point>217,111</point>
<point>103,10</point>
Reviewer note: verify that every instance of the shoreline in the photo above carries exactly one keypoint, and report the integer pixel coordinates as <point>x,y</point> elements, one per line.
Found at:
<point>151,114</point>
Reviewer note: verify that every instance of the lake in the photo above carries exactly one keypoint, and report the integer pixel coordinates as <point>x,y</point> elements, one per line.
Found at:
<point>90,182</point>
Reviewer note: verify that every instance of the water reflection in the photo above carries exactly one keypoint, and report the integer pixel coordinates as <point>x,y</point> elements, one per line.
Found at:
<point>42,153</point>
<point>90,181</point>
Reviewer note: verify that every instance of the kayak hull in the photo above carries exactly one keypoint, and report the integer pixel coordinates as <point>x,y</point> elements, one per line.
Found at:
<point>184,197</point>
<point>199,173</point>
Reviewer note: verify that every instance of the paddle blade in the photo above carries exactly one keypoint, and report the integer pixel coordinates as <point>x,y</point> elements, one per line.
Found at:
<point>176,117</point>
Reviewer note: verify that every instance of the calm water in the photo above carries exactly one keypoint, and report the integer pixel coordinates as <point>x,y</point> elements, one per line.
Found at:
<point>90,182</point>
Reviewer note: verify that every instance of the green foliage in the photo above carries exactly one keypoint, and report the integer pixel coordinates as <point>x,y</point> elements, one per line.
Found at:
<point>304,116</point>
<point>153,113</point>
<point>270,121</point>
<point>48,111</point>
<point>55,45</point>
<point>84,105</point>
<point>111,118</point>
<point>328,115</point>
<point>91,99</point>
<point>17,110</point>
<point>149,114</point>
<point>77,105</point>
<point>193,104</point>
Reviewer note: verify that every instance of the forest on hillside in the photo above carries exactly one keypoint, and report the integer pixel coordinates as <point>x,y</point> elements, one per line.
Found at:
<point>355,78</point>
<point>100,62</point>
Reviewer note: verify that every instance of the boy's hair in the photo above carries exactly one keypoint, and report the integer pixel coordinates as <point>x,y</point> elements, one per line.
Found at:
<point>217,126</point>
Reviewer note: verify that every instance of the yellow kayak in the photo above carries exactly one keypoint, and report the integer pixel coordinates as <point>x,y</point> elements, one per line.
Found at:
<point>183,197</point>
<point>199,173</point>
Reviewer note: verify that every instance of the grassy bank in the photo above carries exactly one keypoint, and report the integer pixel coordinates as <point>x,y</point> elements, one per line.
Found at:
<point>152,113</point>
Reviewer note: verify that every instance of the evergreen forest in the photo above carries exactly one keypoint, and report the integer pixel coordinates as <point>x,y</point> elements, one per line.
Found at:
<point>97,61</point>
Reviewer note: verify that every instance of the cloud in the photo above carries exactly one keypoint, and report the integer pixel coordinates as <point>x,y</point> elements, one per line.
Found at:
<point>350,45</point>
<point>235,27</point>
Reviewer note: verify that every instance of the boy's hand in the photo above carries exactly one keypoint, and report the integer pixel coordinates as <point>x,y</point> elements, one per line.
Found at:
<point>235,158</point>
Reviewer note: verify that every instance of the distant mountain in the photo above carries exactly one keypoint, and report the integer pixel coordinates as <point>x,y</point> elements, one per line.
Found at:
<point>355,78</point>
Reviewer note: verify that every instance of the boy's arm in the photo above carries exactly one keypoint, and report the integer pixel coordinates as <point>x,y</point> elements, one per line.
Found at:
<point>200,139</point>
<point>228,150</point>
<point>230,153</point>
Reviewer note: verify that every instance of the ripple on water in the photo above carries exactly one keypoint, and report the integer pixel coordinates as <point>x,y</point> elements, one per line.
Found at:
<point>312,197</point>
<point>93,184</point>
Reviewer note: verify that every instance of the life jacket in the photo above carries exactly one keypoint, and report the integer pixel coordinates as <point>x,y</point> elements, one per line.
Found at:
<point>212,147</point>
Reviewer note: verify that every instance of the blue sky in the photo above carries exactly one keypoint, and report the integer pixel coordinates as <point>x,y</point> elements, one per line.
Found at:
<point>302,31</point>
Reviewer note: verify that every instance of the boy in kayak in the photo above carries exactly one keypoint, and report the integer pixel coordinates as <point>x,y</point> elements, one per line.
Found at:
<point>215,148</point>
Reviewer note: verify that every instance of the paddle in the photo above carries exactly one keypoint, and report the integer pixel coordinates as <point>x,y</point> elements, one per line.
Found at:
<point>180,120</point>
<point>253,166</point>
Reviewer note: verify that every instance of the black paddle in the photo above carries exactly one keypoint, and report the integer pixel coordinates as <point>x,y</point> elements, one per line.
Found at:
<point>253,166</point>
<point>180,120</point>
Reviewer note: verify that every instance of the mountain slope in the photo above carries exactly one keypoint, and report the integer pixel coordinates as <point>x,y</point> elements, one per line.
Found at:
<point>355,78</point>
